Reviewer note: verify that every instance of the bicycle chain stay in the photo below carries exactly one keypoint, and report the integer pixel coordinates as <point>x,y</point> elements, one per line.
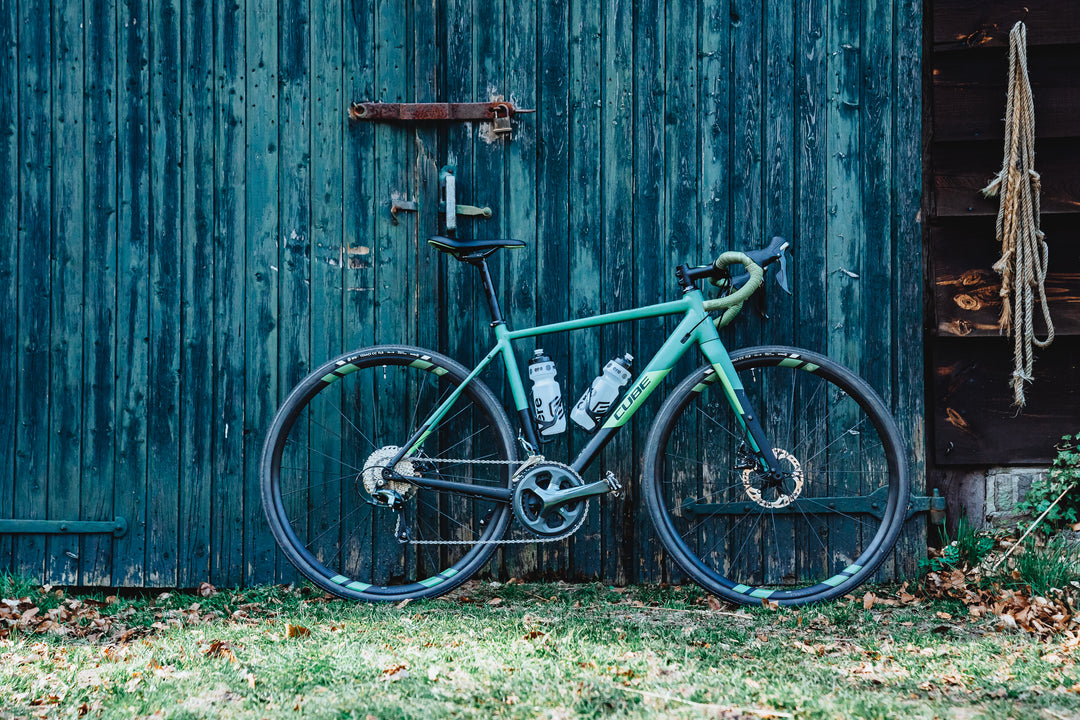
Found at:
<point>525,465</point>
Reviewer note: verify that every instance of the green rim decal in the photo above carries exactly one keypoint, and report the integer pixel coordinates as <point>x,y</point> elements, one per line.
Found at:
<point>810,367</point>
<point>339,579</point>
<point>426,365</point>
<point>339,372</point>
<point>358,586</point>
<point>791,362</point>
<point>435,580</point>
<point>762,593</point>
<point>852,569</point>
<point>741,589</point>
<point>836,580</point>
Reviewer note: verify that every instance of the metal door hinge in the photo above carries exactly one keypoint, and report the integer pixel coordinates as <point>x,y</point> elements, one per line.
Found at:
<point>117,526</point>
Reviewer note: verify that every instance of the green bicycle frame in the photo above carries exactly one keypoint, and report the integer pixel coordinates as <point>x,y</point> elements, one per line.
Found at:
<point>695,328</point>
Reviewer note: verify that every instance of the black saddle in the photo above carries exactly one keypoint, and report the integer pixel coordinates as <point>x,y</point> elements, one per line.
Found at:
<point>471,249</point>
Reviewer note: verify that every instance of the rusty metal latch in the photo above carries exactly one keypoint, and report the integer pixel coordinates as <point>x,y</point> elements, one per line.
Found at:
<point>498,112</point>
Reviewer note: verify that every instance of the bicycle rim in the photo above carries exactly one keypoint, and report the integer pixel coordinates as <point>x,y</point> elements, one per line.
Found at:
<point>814,534</point>
<point>350,415</point>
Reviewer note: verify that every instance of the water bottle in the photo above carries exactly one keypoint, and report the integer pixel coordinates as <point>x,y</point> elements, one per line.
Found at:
<point>546,396</point>
<point>597,400</point>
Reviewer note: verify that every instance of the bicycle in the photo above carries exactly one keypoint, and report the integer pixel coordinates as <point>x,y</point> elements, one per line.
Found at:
<point>392,472</point>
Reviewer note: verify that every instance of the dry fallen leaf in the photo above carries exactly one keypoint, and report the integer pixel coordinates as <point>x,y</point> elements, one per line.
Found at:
<point>395,673</point>
<point>221,649</point>
<point>292,631</point>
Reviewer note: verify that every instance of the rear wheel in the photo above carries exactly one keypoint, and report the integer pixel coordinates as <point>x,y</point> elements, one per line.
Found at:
<point>322,463</point>
<point>813,534</point>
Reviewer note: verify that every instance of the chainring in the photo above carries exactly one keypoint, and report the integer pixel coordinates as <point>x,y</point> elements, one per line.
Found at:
<point>533,488</point>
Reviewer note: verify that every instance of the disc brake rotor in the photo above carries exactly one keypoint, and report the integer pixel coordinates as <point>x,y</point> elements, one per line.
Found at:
<point>793,476</point>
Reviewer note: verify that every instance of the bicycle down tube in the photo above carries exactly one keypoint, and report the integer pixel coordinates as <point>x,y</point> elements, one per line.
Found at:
<point>696,327</point>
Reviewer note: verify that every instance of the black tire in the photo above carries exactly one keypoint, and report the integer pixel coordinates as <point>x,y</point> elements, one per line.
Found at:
<point>313,490</point>
<point>744,548</point>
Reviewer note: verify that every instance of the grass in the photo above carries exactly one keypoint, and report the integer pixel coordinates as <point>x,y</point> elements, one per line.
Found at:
<point>1047,564</point>
<point>536,651</point>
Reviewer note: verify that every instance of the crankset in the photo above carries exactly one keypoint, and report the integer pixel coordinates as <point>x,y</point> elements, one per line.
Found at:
<point>551,499</point>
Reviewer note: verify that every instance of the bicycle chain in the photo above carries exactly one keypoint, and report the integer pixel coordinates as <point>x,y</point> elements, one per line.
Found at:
<point>527,463</point>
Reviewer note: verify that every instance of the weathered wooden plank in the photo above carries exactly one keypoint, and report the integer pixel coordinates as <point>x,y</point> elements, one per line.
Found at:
<point>163,431</point>
<point>227,491</point>
<point>962,170</point>
<point>66,292</point>
<point>584,361</point>
<point>99,325</point>
<point>778,217</point>
<point>713,208</point>
<point>553,199</point>
<point>617,271</point>
<point>967,24</point>
<point>197,290</point>
<point>462,310</point>
<point>133,302</point>
<point>651,281</point>
<point>294,206</point>
<point>809,259</point>
<point>520,208</point>
<point>966,287</point>
<point>261,278</point>
<point>328,225</point>
<point>34,233</point>
<point>878,193</point>
<point>392,257</point>
<point>10,124</point>
<point>846,232</point>
<point>908,403</point>
<point>975,422</point>
<point>425,61</point>
<point>357,278</point>
<point>969,93</point>
<point>681,173</point>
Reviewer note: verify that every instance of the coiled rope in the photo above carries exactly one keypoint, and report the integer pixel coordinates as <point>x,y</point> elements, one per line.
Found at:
<point>1024,254</point>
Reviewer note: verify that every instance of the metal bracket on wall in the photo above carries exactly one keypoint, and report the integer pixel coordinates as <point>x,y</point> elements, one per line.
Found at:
<point>118,527</point>
<point>872,504</point>
<point>397,205</point>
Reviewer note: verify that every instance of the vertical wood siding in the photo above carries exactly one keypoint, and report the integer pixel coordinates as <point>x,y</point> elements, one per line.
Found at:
<point>192,224</point>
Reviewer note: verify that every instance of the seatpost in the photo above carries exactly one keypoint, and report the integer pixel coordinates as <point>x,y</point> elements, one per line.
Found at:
<point>489,289</point>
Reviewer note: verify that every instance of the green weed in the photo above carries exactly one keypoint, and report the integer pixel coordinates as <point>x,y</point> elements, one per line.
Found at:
<point>1045,565</point>
<point>1063,477</point>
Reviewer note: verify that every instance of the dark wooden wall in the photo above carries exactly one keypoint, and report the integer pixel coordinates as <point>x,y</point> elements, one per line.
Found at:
<point>192,224</point>
<point>974,420</point>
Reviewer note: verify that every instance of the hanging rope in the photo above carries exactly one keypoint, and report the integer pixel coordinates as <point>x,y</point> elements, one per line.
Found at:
<point>1024,255</point>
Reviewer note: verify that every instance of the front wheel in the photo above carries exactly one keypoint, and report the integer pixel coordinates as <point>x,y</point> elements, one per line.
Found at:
<point>322,475</point>
<point>812,535</point>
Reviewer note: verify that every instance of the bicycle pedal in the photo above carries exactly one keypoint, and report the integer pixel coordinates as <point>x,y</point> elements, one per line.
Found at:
<point>613,483</point>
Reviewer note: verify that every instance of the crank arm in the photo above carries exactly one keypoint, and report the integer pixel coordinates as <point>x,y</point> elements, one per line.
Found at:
<point>479,492</point>
<point>562,497</point>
